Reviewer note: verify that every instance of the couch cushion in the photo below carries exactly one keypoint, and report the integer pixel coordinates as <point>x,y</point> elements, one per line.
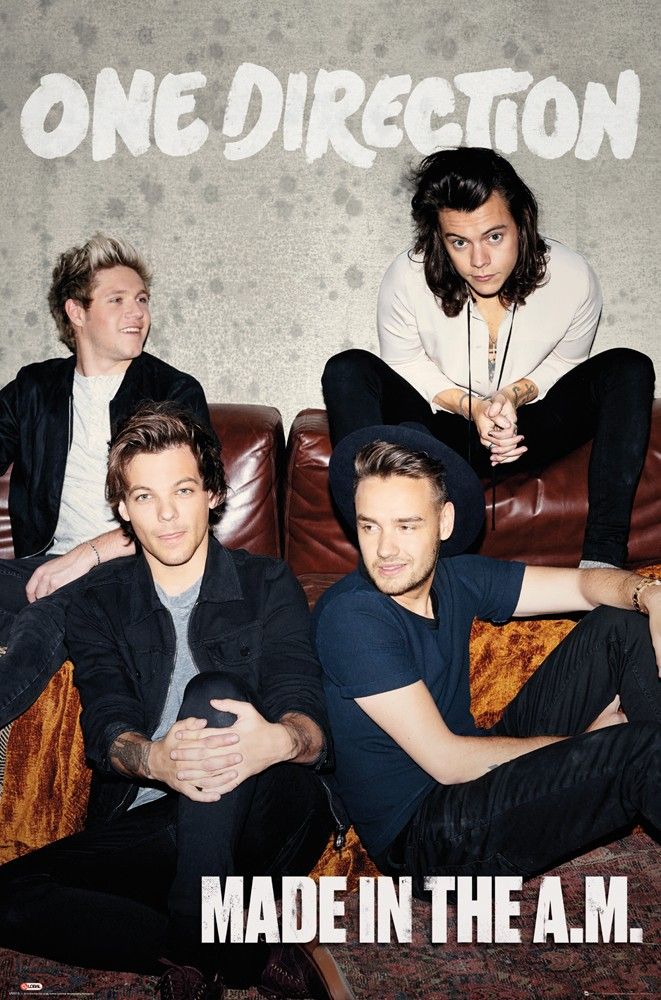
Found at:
<point>253,442</point>
<point>540,518</point>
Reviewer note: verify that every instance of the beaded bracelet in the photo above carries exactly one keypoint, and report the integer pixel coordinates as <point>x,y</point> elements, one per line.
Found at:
<point>646,581</point>
<point>96,552</point>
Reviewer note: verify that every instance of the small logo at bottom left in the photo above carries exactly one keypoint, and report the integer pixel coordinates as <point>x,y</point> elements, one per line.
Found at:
<point>32,987</point>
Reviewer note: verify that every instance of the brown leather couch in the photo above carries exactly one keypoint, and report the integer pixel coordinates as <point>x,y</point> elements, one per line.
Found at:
<point>539,519</point>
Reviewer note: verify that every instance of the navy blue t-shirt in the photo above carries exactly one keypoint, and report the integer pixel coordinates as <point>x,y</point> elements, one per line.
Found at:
<point>368,644</point>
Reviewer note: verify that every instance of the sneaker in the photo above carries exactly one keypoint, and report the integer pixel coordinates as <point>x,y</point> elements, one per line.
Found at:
<point>303,972</point>
<point>183,982</point>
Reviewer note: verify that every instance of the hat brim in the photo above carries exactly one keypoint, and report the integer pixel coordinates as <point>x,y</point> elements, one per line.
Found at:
<point>463,486</point>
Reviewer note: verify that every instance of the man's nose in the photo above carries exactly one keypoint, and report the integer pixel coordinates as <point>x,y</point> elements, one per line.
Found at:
<point>136,308</point>
<point>167,510</point>
<point>479,256</point>
<point>387,546</point>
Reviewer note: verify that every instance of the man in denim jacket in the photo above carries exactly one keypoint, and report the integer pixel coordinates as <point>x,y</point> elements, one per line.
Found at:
<point>201,699</point>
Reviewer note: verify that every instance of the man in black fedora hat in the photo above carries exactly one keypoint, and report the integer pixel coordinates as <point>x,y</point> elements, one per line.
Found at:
<point>576,755</point>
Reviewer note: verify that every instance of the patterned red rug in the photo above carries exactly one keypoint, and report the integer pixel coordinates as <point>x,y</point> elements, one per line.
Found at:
<point>424,971</point>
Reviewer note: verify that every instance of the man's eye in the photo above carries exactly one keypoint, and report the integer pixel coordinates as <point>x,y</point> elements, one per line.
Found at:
<point>458,244</point>
<point>495,237</point>
<point>141,497</point>
<point>144,299</point>
<point>184,491</point>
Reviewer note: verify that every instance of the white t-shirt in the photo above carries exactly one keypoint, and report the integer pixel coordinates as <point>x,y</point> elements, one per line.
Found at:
<point>552,332</point>
<point>84,512</point>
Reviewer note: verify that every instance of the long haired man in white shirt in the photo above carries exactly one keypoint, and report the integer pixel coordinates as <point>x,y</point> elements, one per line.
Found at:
<point>485,330</point>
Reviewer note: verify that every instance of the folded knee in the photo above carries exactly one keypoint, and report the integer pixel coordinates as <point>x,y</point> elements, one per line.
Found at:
<point>346,367</point>
<point>629,365</point>
<point>203,687</point>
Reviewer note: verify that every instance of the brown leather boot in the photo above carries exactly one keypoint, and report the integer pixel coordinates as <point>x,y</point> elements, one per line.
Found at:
<point>183,982</point>
<point>303,972</point>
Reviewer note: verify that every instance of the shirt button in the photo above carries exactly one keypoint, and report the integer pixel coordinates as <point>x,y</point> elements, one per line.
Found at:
<point>244,650</point>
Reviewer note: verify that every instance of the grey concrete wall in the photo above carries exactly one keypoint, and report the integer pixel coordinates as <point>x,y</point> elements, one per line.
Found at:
<point>267,265</point>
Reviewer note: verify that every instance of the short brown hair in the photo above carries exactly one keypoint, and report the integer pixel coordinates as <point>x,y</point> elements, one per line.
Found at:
<point>153,428</point>
<point>383,459</point>
<point>74,276</point>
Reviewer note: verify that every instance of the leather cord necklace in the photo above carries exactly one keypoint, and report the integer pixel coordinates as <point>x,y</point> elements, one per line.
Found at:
<point>470,398</point>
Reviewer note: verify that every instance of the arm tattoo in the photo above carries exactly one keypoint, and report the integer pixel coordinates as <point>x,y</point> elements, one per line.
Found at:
<point>523,391</point>
<point>130,757</point>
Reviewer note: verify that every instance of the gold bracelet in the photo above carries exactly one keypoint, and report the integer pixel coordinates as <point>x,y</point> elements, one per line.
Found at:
<point>646,581</point>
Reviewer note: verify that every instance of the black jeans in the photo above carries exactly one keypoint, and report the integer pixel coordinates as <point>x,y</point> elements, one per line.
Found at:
<point>128,894</point>
<point>33,634</point>
<point>535,811</point>
<point>606,399</point>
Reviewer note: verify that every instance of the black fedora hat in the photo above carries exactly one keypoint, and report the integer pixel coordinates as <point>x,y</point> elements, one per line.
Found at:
<point>463,486</point>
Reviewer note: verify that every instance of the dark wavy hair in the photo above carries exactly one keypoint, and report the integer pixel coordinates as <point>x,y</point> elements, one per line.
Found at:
<point>463,179</point>
<point>153,428</point>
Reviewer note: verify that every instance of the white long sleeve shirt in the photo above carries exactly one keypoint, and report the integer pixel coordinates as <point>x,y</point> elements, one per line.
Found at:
<point>552,333</point>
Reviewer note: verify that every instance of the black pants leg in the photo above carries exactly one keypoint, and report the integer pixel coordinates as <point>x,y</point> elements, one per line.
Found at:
<point>607,399</point>
<point>531,813</point>
<point>275,823</point>
<point>98,898</point>
<point>33,633</point>
<point>131,891</point>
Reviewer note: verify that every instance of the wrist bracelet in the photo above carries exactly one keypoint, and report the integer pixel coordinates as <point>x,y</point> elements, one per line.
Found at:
<point>647,581</point>
<point>467,395</point>
<point>96,552</point>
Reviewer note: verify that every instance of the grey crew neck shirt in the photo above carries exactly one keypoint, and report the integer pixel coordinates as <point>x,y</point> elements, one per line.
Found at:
<point>180,607</point>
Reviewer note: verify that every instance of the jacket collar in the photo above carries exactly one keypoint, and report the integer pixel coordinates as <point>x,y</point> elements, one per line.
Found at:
<point>220,583</point>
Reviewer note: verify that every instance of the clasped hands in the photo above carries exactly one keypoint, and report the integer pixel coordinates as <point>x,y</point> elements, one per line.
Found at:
<point>495,419</point>
<point>203,762</point>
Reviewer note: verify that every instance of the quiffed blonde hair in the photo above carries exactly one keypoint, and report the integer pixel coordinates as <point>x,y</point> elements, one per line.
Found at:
<point>75,273</point>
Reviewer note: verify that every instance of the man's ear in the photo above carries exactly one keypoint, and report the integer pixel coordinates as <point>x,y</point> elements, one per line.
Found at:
<point>75,310</point>
<point>213,499</point>
<point>446,520</point>
<point>122,511</point>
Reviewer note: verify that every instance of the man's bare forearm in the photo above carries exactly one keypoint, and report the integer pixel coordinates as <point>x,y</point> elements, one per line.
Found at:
<point>521,392</point>
<point>475,756</point>
<point>614,587</point>
<point>454,400</point>
<point>111,545</point>
<point>129,755</point>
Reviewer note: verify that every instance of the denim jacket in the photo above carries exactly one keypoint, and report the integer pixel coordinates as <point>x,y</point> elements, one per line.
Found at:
<point>251,619</point>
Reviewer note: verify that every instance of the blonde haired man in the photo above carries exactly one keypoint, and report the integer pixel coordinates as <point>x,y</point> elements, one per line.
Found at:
<point>55,423</point>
